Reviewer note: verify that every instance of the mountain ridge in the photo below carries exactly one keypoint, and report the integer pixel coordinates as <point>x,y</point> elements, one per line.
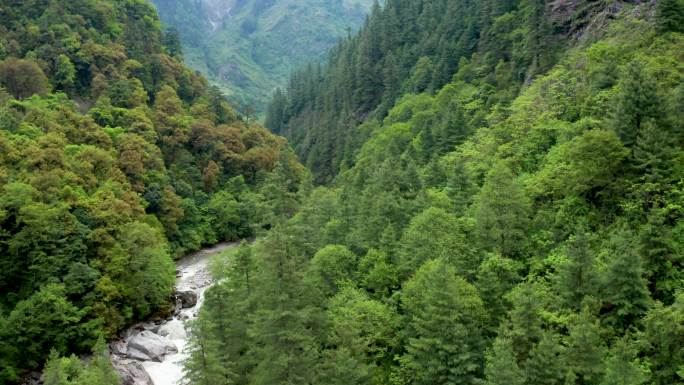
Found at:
<point>248,47</point>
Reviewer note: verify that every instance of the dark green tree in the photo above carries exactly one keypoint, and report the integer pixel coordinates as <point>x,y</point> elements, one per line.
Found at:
<point>637,101</point>
<point>670,16</point>
<point>501,367</point>
<point>444,317</point>
<point>577,277</point>
<point>502,212</point>
<point>585,349</point>
<point>544,366</point>
<point>624,287</point>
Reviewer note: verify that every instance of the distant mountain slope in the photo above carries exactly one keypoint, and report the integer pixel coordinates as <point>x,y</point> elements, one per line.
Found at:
<point>248,47</point>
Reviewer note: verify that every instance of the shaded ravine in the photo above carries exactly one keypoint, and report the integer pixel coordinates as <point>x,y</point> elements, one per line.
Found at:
<point>151,353</point>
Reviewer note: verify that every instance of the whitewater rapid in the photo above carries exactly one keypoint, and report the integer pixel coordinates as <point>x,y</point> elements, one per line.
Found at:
<point>193,275</point>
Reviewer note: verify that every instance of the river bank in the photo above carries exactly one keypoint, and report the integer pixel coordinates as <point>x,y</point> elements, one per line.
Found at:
<point>152,353</point>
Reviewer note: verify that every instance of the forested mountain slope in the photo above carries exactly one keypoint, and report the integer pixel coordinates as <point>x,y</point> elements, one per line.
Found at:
<point>114,158</point>
<point>417,46</point>
<point>249,47</point>
<point>519,222</point>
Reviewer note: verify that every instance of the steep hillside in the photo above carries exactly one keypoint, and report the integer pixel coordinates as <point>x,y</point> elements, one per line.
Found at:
<point>417,46</point>
<point>114,158</point>
<point>248,47</point>
<point>518,223</point>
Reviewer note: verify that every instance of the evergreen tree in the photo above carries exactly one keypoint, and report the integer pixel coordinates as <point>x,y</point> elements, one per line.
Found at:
<point>171,42</point>
<point>502,212</point>
<point>501,367</point>
<point>524,324</point>
<point>637,101</point>
<point>623,367</point>
<point>585,350</point>
<point>670,16</point>
<point>624,287</point>
<point>281,328</point>
<point>444,318</point>
<point>661,341</point>
<point>577,277</point>
<point>496,277</point>
<point>544,366</point>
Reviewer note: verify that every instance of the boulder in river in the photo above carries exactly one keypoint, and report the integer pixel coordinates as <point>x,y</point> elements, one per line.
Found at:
<point>132,373</point>
<point>147,346</point>
<point>188,298</point>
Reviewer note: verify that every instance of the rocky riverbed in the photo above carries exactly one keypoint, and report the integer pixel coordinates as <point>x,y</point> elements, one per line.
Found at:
<point>151,353</point>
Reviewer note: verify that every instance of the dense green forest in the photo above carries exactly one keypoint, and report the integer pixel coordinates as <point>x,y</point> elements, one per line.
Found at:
<point>505,206</point>
<point>495,197</point>
<point>249,47</point>
<point>114,158</point>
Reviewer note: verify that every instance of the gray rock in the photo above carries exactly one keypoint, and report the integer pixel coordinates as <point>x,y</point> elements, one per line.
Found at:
<point>148,344</point>
<point>188,298</point>
<point>132,373</point>
<point>137,355</point>
<point>118,347</point>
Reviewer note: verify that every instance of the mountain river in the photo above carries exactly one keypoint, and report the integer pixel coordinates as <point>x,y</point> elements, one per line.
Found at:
<point>151,353</point>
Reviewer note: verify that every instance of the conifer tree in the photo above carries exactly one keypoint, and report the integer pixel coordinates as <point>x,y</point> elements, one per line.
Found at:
<point>524,324</point>
<point>577,278</point>
<point>637,101</point>
<point>501,367</point>
<point>670,16</point>
<point>624,286</point>
<point>661,341</point>
<point>544,366</point>
<point>623,367</point>
<point>496,277</point>
<point>502,212</point>
<point>444,327</point>
<point>585,350</point>
<point>284,346</point>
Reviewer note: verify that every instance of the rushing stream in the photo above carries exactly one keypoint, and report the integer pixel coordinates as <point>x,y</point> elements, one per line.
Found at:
<point>152,353</point>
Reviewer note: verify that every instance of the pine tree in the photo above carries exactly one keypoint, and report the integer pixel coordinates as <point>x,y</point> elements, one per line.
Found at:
<point>501,367</point>
<point>502,212</point>
<point>654,157</point>
<point>284,345</point>
<point>624,286</point>
<point>496,277</point>
<point>444,315</point>
<point>584,354</point>
<point>577,277</point>
<point>637,101</point>
<point>203,365</point>
<point>670,16</point>
<point>623,367</point>
<point>454,128</point>
<point>524,324</point>
<point>661,341</point>
<point>544,366</point>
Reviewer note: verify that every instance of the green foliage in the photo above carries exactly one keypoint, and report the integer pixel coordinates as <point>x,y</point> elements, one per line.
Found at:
<point>72,371</point>
<point>133,162</point>
<point>22,78</point>
<point>510,228</point>
<point>662,331</point>
<point>330,267</point>
<point>622,366</point>
<point>444,339</point>
<point>502,212</point>
<point>585,350</point>
<point>670,16</point>
<point>501,365</point>
<point>545,365</point>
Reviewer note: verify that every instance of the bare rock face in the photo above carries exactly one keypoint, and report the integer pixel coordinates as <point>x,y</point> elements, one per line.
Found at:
<point>188,298</point>
<point>132,373</point>
<point>147,346</point>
